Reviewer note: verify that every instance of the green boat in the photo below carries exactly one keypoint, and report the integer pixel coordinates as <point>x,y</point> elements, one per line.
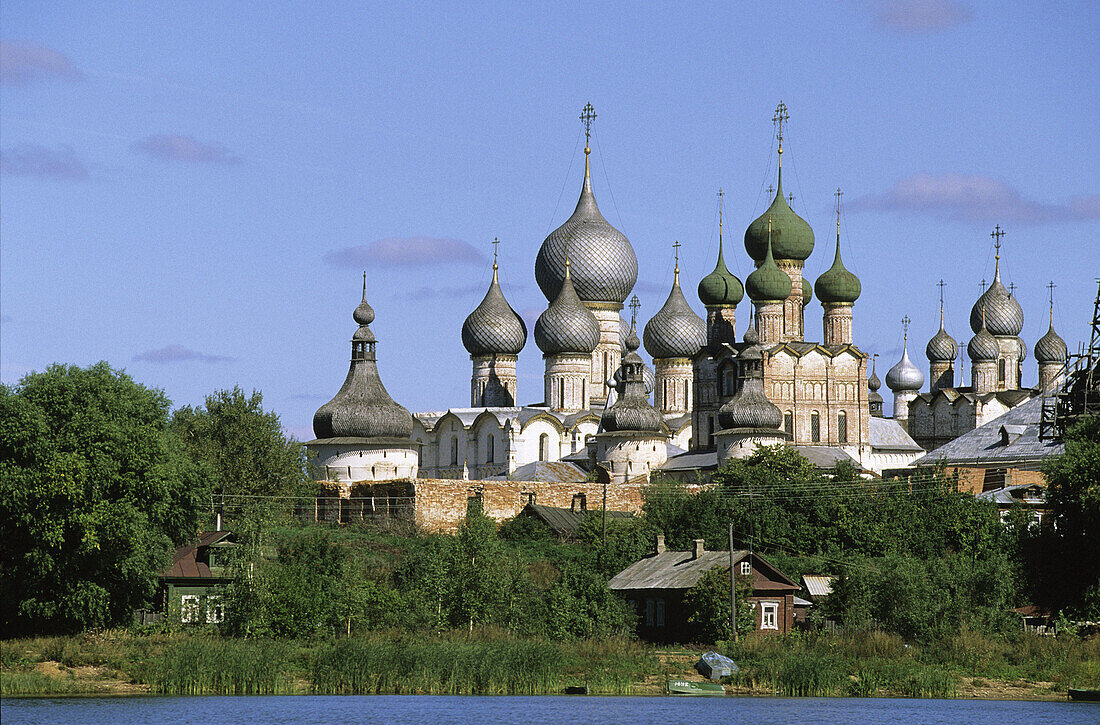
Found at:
<point>691,687</point>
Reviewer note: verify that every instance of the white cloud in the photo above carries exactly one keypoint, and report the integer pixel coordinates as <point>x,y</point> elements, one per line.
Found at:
<point>405,252</point>
<point>21,64</point>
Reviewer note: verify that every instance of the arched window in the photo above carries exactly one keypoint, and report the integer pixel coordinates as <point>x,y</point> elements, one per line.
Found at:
<point>544,447</point>
<point>1001,371</point>
<point>788,423</point>
<point>842,427</point>
<point>815,427</point>
<point>490,449</point>
<point>454,450</point>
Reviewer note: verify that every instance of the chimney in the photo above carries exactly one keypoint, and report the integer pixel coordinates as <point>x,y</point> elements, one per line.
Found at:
<point>698,549</point>
<point>660,547</point>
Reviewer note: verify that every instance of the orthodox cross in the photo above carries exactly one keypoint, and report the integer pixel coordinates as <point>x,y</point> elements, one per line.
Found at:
<point>588,115</point>
<point>982,285</point>
<point>496,242</point>
<point>1011,289</point>
<point>941,284</point>
<point>1051,287</point>
<point>874,361</point>
<point>779,119</point>
<point>634,305</point>
<point>676,251</point>
<point>790,198</point>
<point>770,189</point>
<point>838,193</point>
<point>905,327</point>
<point>996,234</point>
<point>720,195</point>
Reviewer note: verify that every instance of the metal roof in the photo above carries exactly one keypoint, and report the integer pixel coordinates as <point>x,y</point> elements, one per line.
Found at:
<point>818,585</point>
<point>565,522</point>
<point>547,471</point>
<point>185,563</point>
<point>886,434</point>
<point>682,570</point>
<point>990,444</point>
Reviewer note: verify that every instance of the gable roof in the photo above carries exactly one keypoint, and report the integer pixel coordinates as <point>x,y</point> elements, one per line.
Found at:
<point>886,434</point>
<point>547,471</point>
<point>565,522</point>
<point>683,570</point>
<point>987,444</point>
<point>186,562</point>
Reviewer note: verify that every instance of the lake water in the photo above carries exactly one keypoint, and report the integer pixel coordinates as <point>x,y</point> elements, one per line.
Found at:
<point>439,710</point>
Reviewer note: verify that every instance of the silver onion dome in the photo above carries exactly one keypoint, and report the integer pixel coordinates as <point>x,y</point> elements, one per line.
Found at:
<point>494,328</point>
<point>567,325</point>
<point>628,338</point>
<point>1003,315</point>
<point>675,331</point>
<point>605,267</point>
<point>362,408</point>
<point>1051,348</point>
<point>942,347</point>
<point>983,347</point>
<point>1021,349</point>
<point>904,376</point>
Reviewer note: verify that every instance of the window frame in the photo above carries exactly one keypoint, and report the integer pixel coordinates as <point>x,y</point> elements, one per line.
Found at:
<point>769,612</point>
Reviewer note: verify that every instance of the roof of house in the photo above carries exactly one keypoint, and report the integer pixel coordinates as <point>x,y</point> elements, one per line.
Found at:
<point>185,562</point>
<point>1012,437</point>
<point>565,522</point>
<point>818,585</point>
<point>1013,494</point>
<point>683,570</point>
<point>886,434</point>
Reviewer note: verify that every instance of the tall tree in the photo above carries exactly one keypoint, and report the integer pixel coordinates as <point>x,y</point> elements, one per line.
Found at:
<point>242,446</point>
<point>93,493</point>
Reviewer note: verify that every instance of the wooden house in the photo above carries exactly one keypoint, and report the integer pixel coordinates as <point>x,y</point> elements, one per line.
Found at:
<point>657,584</point>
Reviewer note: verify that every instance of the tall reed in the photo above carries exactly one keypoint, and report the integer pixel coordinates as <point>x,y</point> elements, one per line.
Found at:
<point>213,666</point>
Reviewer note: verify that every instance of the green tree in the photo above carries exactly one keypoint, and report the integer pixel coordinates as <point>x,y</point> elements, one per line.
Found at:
<point>707,605</point>
<point>242,447</point>
<point>93,494</point>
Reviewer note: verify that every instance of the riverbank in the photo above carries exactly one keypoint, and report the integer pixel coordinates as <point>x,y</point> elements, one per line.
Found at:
<point>858,664</point>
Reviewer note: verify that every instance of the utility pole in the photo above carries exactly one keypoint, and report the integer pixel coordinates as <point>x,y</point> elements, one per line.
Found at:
<point>733,591</point>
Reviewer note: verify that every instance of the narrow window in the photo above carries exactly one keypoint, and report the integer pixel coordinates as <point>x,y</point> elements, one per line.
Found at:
<point>561,392</point>
<point>649,612</point>
<point>454,451</point>
<point>1001,370</point>
<point>660,614</point>
<point>490,452</point>
<point>842,427</point>
<point>788,423</point>
<point>544,447</point>
<point>815,427</point>
<point>710,431</point>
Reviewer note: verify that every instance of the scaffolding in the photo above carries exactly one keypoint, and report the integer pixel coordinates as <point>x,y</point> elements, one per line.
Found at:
<point>1078,394</point>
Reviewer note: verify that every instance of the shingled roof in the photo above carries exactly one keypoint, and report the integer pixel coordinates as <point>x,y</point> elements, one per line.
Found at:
<point>186,562</point>
<point>1011,438</point>
<point>683,570</point>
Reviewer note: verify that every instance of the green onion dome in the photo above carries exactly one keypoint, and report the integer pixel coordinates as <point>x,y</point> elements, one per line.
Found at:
<point>837,284</point>
<point>807,292</point>
<point>605,267</point>
<point>768,283</point>
<point>721,288</point>
<point>791,236</point>
<point>1051,348</point>
<point>675,331</point>
<point>494,328</point>
<point>567,325</point>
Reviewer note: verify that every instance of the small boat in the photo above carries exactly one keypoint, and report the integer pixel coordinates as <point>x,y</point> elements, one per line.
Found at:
<point>1089,694</point>
<point>691,687</point>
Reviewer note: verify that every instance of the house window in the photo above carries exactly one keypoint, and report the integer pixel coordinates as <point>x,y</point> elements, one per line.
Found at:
<point>490,452</point>
<point>788,423</point>
<point>189,608</point>
<point>660,614</point>
<point>815,427</point>
<point>215,610</point>
<point>769,615</point>
<point>649,612</point>
<point>544,447</point>
<point>746,568</point>
<point>842,427</point>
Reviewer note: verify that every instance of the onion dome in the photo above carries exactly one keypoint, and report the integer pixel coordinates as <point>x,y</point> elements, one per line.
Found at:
<point>720,288</point>
<point>942,347</point>
<point>873,383</point>
<point>675,331</point>
<point>768,283</point>
<point>1003,315</point>
<point>494,328</point>
<point>628,338</point>
<point>837,285</point>
<point>632,411</point>
<point>567,325</point>
<point>983,347</point>
<point>751,337</point>
<point>362,408</point>
<point>750,407</point>
<point>905,376</point>
<point>604,265</point>
<point>807,292</point>
<point>791,236</point>
<point>1051,348</point>
<point>1021,349</point>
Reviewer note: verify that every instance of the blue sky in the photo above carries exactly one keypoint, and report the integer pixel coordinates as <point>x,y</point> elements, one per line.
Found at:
<point>191,191</point>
